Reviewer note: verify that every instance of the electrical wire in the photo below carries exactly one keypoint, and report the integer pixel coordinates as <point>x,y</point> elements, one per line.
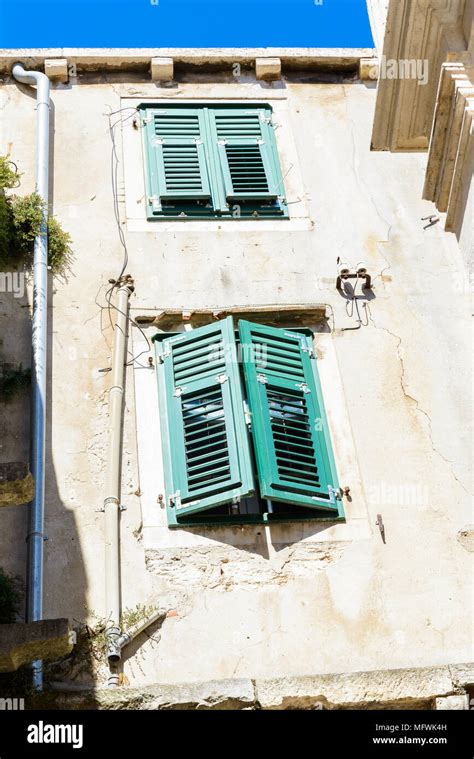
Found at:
<point>353,303</point>
<point>328,305</point>
<point>350,302</point>
<point>115,282</point>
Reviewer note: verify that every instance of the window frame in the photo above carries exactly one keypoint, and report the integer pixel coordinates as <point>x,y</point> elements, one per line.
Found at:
<point>252,206</point>
<point>303,512</point>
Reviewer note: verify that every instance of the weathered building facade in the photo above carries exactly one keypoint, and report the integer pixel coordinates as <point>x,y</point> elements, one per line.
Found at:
<point>378,577</point>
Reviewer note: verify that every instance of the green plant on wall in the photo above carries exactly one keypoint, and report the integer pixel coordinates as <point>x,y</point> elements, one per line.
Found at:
<point>86,660</point>
<point>20,223</point>
<point>9,176</point>
<point>5,227</point>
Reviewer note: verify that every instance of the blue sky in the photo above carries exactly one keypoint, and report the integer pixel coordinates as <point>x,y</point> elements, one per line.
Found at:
<point>184,23</point>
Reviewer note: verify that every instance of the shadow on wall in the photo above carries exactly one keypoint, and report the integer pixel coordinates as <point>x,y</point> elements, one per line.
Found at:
<point>63,560</point>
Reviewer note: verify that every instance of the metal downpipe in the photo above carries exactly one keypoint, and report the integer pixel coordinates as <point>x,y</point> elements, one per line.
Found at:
<point>116,639</point>
<point>112,497</point>
<point>35,535</point>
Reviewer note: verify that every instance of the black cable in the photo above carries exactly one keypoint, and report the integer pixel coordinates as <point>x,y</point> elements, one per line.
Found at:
<point>114,181</point>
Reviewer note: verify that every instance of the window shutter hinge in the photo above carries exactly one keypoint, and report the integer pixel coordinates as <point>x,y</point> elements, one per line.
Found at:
<point>262,379</point>
<point>175,499</point>
<point>334,494</point>
<point>178,392</point>
<point>146,119</point>
<point>157,141</point>
<point>304,387</point>
<point>222,142</point>
<point>164,355</point>
<point>221,378</point>
<point>247,417</point>
<point>154,202</point>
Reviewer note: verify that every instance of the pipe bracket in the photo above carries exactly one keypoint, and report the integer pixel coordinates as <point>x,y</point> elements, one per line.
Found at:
<point>36,535</point>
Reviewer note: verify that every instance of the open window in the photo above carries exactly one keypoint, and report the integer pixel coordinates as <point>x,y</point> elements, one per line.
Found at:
<point>245,434</point>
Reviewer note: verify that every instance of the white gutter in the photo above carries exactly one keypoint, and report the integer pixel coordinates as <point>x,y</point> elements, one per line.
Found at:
<point>35,535</point>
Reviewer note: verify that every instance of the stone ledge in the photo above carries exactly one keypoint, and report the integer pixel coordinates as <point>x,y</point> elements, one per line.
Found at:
<point>462,674</point>
<point>383,689</point>
<point>93,59</point>
<point>275,315</point>
<point>423,688</point>
<point>23,643</point>
<point>216,694</point>
<point>453,703</point>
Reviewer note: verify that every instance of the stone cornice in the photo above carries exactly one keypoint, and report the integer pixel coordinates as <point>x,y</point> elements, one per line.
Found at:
<point>416,30</point>
<point>124,59</point>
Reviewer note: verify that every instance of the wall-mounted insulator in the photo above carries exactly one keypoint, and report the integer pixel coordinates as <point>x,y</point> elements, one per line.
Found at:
<point>344,269</point>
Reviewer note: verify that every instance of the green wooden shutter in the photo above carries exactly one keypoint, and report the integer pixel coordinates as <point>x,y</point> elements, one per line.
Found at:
<point>176,155</point>
<point>205,437</point>
<point>289,426</point>
<point>246,148</point>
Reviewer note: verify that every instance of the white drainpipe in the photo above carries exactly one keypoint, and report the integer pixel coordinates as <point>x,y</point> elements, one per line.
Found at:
<point>116,639</point>
<point>112,498</point>
<point>35,536</point>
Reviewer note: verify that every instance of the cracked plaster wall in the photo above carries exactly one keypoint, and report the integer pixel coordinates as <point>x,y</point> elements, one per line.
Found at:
<point>270,607</point>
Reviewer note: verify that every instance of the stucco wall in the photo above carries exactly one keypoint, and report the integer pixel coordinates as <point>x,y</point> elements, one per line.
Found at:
<point>255,602</point>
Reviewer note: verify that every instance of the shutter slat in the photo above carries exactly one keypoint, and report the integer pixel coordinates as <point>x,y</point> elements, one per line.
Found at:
<point>178,155</point>
<point>238,124</point>
<point>289,426</point>
<point>243,149</point>
<point>206,437</point>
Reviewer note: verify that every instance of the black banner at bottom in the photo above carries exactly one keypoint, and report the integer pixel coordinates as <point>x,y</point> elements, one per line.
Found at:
<point>370,733</point>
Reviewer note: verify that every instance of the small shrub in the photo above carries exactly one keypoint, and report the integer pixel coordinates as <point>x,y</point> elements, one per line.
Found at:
<point>27,217</point>
<point>59,247</point>
<point>20,222</point>
<point>5,227</point>
<point>9,176</point>
<point>10,597</point>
